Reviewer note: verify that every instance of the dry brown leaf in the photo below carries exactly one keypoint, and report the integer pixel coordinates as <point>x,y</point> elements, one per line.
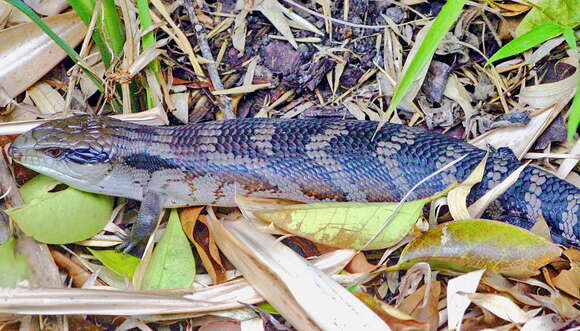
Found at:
<point>212,245</point>
<point>75,271</point>
<point>244,89</point>
<point>412,93</point>
<point>360,264</point>
<point>544,95</point>
<point>5,10</point>
<point>178,36</point>
<point>573,254</point>
<point>274,13</point>
<point>558,303</point>
<point>511,8</point>
<point>422,306</point>
<point>181,103</point>
<point>188,218</point>
<point>24,49</point>
<point>214,299</point>
<point>455,91</point>
<point>569,280</point>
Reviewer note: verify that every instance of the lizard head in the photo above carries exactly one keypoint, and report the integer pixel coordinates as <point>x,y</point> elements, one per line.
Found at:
<point>75,150</point>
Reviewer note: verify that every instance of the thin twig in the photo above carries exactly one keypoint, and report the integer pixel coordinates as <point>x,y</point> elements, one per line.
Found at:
<point>198,28</point>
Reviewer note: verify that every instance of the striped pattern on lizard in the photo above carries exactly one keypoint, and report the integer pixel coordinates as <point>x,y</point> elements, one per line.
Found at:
<point>303,160</point>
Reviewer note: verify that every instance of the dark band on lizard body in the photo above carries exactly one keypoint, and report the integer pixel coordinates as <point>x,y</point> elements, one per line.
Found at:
<point>304,160</point>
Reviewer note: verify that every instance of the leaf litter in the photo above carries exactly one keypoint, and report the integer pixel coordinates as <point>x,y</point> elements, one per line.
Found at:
<point>343,59</point>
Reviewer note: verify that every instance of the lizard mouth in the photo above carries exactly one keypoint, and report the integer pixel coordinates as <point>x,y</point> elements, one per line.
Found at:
<point>21,147</point>
<point>15,153</point>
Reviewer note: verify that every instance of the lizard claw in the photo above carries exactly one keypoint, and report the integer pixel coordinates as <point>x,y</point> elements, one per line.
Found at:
<point>127,245</point>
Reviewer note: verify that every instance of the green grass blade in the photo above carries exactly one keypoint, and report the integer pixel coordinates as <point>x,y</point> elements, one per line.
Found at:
<point>114,31</point>
<point>85,9</point>
<point>574,119</point>
<point>18,4</point>
<point>148,40</point>
<point>527,41</point>
<point>445,19</point>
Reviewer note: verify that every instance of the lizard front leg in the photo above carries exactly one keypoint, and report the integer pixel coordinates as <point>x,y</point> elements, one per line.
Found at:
<point>147,218</point>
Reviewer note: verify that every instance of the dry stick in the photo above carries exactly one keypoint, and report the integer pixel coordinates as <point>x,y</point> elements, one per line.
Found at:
<point>228,109</point>
<point>128,56</point>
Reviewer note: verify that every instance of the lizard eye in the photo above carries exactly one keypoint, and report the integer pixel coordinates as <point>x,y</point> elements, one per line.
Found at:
<point>87,155</point>
<point>54,152</point>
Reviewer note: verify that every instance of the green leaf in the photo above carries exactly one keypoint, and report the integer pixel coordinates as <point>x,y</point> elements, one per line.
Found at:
<point>346,224</point>
<point>480,244</point>
<point>527,41</point>
<point>172,264</point>
<point>574,118</point>
<point>13,267</point>
<point>562,12</point>
<point>121,263</point>
<point>60,217</point>
<point>268,308</point>
<point>445,19</point>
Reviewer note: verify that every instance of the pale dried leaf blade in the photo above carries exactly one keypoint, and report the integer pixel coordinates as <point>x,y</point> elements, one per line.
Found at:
<point>421,35</point>
<point>24,49</point>
<point>240,30</point>
<point>105,302</point>
<point>47,99</point>
<point>544,95</point>
<point>305,296</point>
<point>500,306</point>
<point>299,20</point>
<point>544,322</point>
<point>457,198</point>
<point>457,304</point>
<point>244,89</point>
<point>478,207</point>
<point>154,116</point>
<point>271,9</point>
<point>457,92</point>
<point>568,164</point>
